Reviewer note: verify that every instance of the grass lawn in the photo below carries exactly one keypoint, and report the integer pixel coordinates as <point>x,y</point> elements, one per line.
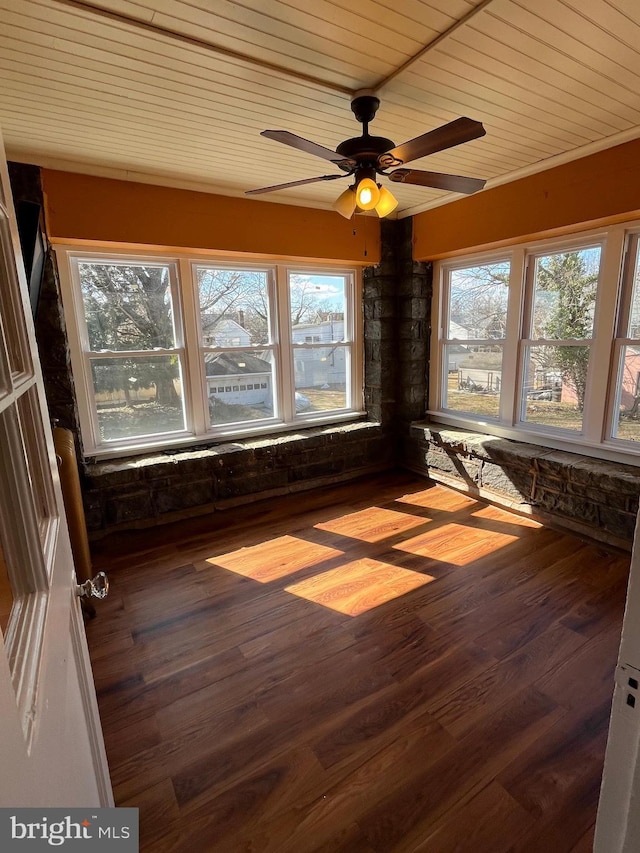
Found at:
<point>149,418</point>
<point>543,412</point>
<point>629,429</point>
<point>324,399</point>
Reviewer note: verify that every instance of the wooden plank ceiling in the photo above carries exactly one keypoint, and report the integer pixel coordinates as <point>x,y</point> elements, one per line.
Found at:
<point>177,91</point>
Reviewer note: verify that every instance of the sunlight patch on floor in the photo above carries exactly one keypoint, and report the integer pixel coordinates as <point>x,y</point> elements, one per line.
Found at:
<point>372,524</point>
<point>495,513</point>
<point>359,586</point>
<point>437,500</point>
<point>274,559</point>
<point>458,544</point>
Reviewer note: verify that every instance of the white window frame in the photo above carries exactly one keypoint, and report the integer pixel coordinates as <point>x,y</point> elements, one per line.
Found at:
<point>525,341</point>
<point>444,294</point>
<point>596,436</point>
<point>621,338</point>
<point>273,345</point>
<point>353,365</point>
<point>82,355</point>
<point>190,347</point>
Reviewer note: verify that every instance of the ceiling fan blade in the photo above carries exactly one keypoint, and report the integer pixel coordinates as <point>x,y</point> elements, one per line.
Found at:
<point>309,147</point>
<point>294,184</point>
<point>438,180</point>
<point>455,133</point>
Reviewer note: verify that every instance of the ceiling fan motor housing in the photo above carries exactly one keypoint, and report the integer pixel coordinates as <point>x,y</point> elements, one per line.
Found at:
<point>365,149</point>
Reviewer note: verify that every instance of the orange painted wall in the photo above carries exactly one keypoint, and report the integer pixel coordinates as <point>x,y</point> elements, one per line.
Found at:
<point>603,187</point>
<point>83,207</point>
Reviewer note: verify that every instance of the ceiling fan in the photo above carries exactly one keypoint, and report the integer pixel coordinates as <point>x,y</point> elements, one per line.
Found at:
<point>364,157</point>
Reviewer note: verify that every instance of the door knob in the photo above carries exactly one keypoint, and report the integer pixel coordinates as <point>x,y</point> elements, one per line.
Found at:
<point>96,587</point>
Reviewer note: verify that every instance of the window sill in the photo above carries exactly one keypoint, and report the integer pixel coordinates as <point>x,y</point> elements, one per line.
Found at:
<point>593,497</point>
<point>611,452</point>
<point>188,442</point>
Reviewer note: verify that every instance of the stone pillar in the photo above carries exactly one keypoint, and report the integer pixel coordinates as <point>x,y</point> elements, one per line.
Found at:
<point>380,331</point>
<point>415,284</point>
<point>397,299</point>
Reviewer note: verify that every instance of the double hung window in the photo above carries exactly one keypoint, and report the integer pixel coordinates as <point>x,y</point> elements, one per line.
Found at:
<point>542,343</point>
<point>168,350</point>
<point>475,324</point>
<point>625,414</point>
<point>556,347</point>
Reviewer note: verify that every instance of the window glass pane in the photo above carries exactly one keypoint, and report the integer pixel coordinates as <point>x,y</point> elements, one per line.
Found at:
<point>627,415</point>
<point>317,305</point>
<point>15,336</point>
<point>554,385</point>
<point>474,379</point>
<point>6,593</point>
<point>320,378</point>
<point>478,299</point>
<point>23,576</point>
<point>240,386</point>
<point>565,295</point>
<point>634,313</point>
<point>127,306</point>
<point>234,307</point>
<point>135,397</point>
<point>35,449</point>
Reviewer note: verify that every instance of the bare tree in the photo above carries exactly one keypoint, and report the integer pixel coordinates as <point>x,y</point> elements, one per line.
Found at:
<point>478,300</point>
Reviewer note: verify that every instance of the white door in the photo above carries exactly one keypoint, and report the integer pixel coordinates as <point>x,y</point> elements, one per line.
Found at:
<point>618,823</point>
<point>51,747</point>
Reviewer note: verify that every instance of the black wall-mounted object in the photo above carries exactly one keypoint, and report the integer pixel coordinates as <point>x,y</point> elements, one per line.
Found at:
<point>32,244</point>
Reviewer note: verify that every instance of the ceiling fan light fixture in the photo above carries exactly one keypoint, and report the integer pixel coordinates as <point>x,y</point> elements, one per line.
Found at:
<point>345,204</point>
<point>367,194</point>
<point>387,203</point>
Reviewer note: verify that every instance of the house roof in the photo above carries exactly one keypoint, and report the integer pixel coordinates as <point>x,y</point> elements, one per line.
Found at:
<point>215,321</point>
<point>178,93</point>
<point>232,364</point>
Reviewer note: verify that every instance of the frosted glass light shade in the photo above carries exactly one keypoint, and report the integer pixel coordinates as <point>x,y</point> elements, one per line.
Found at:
<point>387,204</point>
<point>345,204</point>
<point>367,194</point>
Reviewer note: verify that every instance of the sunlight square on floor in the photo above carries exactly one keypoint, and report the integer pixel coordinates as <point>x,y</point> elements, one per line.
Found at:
<point>359,586</point>
<point>372,524</point>
<point>437,499</point>
<point>277,558</point>
<point>460,543</point>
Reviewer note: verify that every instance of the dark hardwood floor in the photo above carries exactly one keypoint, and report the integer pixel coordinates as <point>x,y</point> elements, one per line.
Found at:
<point>382,666</point>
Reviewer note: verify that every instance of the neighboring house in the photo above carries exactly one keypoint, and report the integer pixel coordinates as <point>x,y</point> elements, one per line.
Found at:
<point>317,367</point>
<point>238,379</point>
<point>223,332</point>
<point>630,378</point>
<point>630,386</point>
<point>456,351</point>
<point>458,332</point>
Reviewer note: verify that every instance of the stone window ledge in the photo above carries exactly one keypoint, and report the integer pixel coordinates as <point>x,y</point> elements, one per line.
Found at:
<point>141,491</point>
<point>592,496</point>
<point>152,464</point>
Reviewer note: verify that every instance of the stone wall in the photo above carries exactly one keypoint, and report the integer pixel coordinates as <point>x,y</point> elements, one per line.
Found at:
<point>589,496</point>
<point>156,488</point>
